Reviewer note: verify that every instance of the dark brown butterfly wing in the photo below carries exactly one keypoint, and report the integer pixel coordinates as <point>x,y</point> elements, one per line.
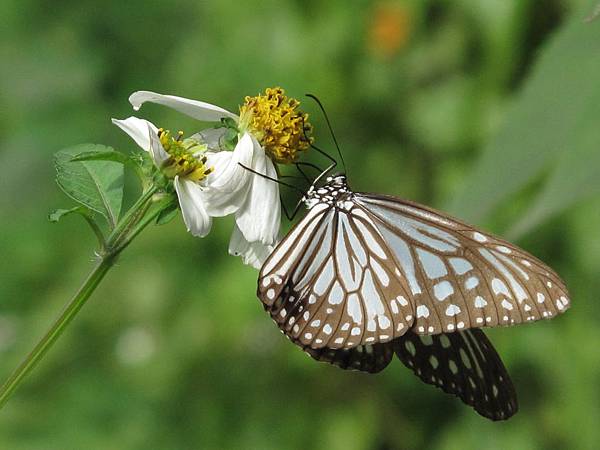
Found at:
<point>465,364</point>
<point>364,358</point>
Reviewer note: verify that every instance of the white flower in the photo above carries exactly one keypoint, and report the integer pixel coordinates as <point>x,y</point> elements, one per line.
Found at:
<point>189,178</point>
<point>238,185</point>
<point>252,253</point>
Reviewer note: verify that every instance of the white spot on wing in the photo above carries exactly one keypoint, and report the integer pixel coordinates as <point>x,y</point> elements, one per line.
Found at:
<point>479,237</point>
<point>443,290</point>
<point>380,272</point>
<point>354,309</point>
<point>422,311</point>
<point>297,238</point>
<point>507,305</point>
<point>460,265</point>
<point>499,287</point>
<point>371,325</point>
<point>336,295</point>
<point>372,300</point>
<point>384,322</point>
<point>404,256</point>
<point>516,286</point>
<point>480,302</point>
<point>368,237</point>
<point>325,278</point>
<point>452,310</point>
<point>471,283</point>
<point>433,265</point>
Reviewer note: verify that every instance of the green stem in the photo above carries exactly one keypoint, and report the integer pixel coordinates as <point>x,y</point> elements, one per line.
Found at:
<point>57,328</point>
<point>130,218</point>
<point>96,229</point>
<point>126,230</point>
<point>144,222</point>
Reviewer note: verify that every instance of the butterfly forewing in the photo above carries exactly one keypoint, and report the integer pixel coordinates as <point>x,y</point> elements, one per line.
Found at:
<point>462,363</point>
<point>460,277</point>
<point>340,290</point>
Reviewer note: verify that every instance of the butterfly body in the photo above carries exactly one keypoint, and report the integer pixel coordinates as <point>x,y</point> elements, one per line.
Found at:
<point>363,276</point>
<point>335,193</point>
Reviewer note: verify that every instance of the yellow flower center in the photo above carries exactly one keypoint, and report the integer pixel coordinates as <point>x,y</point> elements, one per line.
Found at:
<point>277,123</point>
<point>186,156</point>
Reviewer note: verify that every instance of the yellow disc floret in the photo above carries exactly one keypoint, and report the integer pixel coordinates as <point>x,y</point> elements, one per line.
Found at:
<point>277,123</point>
<point>186,156</point>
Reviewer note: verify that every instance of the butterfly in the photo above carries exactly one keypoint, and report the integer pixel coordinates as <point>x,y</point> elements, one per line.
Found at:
<point>365,276</point>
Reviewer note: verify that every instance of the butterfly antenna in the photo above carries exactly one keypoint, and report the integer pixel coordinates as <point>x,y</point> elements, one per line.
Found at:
<point>301,164</point>
<point>283,183</point>
<point>299,168</point>
<point>322,108</point>
<point>328,169</point>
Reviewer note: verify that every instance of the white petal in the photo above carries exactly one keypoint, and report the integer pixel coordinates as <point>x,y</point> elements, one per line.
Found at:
<point>260,216</point>
<point>137,129</point>
<point>212,137</point>
<point>145,135</point>
<point>159,155</point>
<point>227,186</point>
<point>193,108</point>
<point>252,253</point>
<point>197,221</point>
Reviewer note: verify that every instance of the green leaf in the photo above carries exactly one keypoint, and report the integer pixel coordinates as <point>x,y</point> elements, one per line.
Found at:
<point>103,155</point>
<point>58,214</point>
<point>549,129</point>
<point>84,212</point>
<point>98,185</point>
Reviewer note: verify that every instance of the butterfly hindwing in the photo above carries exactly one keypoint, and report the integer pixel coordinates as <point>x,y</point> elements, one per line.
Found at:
<point>465,364</point>
<point>363,358</point>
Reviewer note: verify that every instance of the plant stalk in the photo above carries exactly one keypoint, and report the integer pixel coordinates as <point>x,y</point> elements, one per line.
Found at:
<point>135,220</point>
<point>69,312</point>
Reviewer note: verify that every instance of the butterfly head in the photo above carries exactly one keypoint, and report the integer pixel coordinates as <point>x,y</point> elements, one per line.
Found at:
<point>334,190</point>
<point>337,179</point>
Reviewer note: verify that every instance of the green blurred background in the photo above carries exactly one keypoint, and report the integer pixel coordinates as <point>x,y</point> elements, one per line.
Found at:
<point>490,110</point>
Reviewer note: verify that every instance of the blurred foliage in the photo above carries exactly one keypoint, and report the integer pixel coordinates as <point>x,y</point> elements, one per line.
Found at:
<point>487,106</point>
